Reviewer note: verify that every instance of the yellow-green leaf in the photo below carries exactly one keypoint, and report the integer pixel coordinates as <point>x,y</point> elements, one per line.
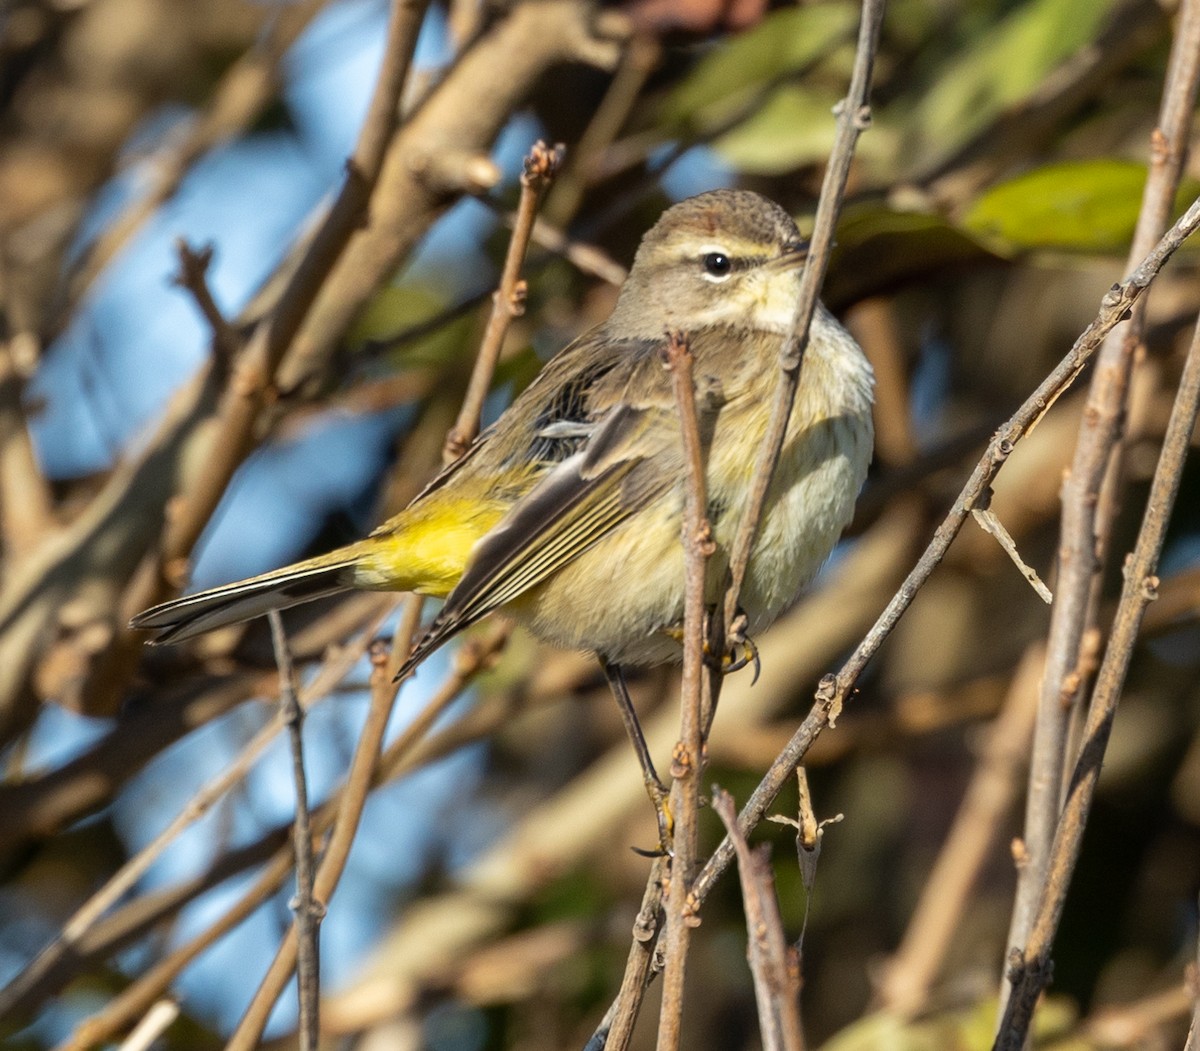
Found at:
<point>1074,206</point>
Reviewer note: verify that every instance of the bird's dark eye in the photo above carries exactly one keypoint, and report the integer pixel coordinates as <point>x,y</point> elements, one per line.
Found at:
<point>717,264</point>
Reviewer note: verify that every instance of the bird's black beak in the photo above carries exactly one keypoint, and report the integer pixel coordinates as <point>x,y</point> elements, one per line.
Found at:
<point>794,255</point>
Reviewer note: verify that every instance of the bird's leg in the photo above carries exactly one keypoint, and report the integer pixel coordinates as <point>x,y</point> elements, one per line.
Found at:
<point>742,650</point>
<point>654,787</point>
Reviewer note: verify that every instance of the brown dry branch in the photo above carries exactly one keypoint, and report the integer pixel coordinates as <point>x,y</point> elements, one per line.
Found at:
<point>508,301</point>
<point>266,346</point>
<point>1088,503</point>
<point>1030,968</point>
<point>986,804</point>
<point>193,276</point>
<point>458,121</point>
<point>615,1031</point>
<point>44,803</point>
<point>308,909</point>
<point>834,689</point>
<point>157,1021</point>
<point>776,970</point>
<point>990,524</point>
<point>400,758</point>
<point>350,803</point>
<point>853,118</point>
<point>133,1001</point>
<point>131,505</point>
<point>81,568</point>
<point>26,501</point>
<point>584,817</point>
<point>687,758</point>
<point>85,918</point>
<point>239,98</point>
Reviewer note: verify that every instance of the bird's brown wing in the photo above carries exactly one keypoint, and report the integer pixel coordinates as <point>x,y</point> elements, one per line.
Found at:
<point>620,469</point>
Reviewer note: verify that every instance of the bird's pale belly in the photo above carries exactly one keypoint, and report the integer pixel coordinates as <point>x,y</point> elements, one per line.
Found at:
<point>628,587</point>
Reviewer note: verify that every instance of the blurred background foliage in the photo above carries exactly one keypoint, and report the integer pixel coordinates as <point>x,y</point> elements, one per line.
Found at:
<point>490,895</point>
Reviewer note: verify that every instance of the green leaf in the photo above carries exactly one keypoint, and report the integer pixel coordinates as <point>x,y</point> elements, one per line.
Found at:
<point>794,127</point>
<point>1000,68</point>
<point>1074,206</point>
<point>726,79</point>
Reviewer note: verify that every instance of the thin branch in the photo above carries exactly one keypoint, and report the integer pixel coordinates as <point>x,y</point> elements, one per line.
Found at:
<point>397,760</point>
<point>238,99</point>
<point>508,301</point>
<point>141,994</point>
<point>156,1022</point>
<point>615,1031</point>
<point>853,117</point>
<point>989,523</point>
<point>687,760</point>
<point>85,918</point>
<point>834,689</point>
<point>309,910</point>
<point>271,339</point>
<point>985,806</point>
<point>349,811</point>
<point>1030,969</point>
<point>776,970</point>
<point>1088,503</point>
<point>193,276</point>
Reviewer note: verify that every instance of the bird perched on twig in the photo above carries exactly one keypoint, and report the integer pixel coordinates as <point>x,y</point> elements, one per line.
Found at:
<point>566,512</point>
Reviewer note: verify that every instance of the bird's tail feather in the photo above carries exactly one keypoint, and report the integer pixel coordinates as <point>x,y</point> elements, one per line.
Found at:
<point>183,618</point>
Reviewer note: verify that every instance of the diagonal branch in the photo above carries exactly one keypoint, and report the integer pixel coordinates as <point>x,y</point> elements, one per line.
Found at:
<point>834,689</point>
<point>1030,970</point>
<point>1089,505</point>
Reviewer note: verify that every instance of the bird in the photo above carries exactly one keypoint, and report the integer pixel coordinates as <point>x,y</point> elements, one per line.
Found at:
<point>566,512</point>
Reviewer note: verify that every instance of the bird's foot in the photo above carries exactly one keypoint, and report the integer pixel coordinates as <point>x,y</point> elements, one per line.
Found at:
<point>660,797</point>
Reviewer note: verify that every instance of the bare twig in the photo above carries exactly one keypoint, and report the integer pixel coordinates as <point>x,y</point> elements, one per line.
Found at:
<point>270,340</point>
<point>193,276</point>
<point>687,759</point>
<point>254,379</point>
<point>1030,969</point>
<point>156,1022</point>
<point>834,689</point>
<point>1087,512</point>
<point>615,1031</point>
<point>349,811</point>
<point>309,911</point>
<point>141,994</point>
<point>776,969</point>
<point>508,301</point>
<point>989,523</point>
<point>985,806</point>
<point>582,819</point>
<point>810,834</point>
<point>853,117</point>
<point>238,99</point>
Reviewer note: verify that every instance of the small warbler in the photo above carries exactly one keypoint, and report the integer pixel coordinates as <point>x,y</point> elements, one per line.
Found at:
<point>567,511</point>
